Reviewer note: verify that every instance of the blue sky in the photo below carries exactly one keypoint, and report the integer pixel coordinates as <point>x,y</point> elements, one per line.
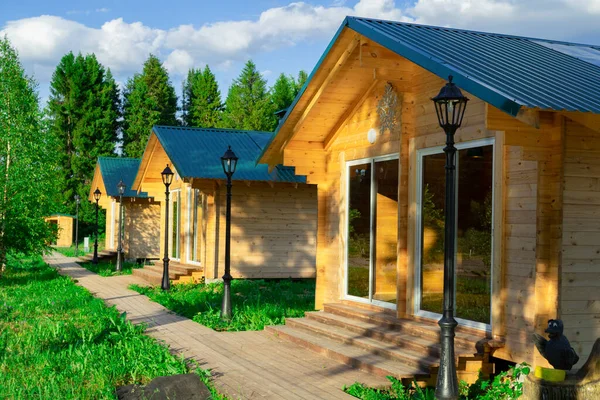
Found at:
<point>280,36</point>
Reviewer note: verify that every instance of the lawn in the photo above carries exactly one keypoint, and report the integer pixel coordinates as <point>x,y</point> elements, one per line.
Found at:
<point>70,251</point>
<point>107,267</point>
<point>59,342</point>
<point>255,303</point>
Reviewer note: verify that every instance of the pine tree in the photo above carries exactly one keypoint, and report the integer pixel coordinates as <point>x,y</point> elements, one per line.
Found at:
<point>84,111</point>
<point>282,93</point>
<point>149,99</point>
<point>201,99</point>
<point>28,162</point>
<point>248,105</point>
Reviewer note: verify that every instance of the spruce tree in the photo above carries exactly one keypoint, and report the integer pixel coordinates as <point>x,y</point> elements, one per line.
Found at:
<point>149,99</point>
<point>248,105</point>
<point>201,103</point>
<point>83,111</point>
<point>282,93</point>
<point>28,162</point>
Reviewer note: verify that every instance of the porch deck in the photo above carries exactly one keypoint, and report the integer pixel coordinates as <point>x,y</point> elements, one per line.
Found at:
<point>374,340</point>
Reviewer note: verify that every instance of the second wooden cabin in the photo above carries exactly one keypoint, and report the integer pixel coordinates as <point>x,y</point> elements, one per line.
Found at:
<point>274,213</point>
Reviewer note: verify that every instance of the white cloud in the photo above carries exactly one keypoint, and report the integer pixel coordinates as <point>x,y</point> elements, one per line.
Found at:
<point>123,46</point>
<point>554,19</point>
<point>102,10</point>
<point>179,62</point>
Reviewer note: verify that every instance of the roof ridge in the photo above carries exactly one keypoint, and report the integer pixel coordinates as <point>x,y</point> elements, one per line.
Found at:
<point>223,130</point>
<point>471,31</point>
<point>119,158</point>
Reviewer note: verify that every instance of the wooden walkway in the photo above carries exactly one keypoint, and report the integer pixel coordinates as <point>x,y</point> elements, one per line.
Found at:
<point>244,365</point>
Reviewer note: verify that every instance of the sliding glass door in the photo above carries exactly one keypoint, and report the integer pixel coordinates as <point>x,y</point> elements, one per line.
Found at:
<point>474,210</point>
<point>372,230</point>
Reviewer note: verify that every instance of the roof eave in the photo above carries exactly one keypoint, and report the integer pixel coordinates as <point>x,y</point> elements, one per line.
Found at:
<point>265,153</point>
<point>145,159</point>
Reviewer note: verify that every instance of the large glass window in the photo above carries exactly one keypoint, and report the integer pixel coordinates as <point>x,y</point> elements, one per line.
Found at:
<point>372,230</point>
<point>195,224</point>
<point>474,205</point>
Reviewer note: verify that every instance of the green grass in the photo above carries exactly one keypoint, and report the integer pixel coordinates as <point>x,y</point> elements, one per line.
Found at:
<point>107,267</point>
<point>59,342</point>
<point>255,303</point>
<point>70,251</point>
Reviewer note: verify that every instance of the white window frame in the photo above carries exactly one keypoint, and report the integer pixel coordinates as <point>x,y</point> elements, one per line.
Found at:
<point>346,296</point>
<point>418,231</point>
<point>172,194</point>
<point>112,223</point>
<point>191,231</point>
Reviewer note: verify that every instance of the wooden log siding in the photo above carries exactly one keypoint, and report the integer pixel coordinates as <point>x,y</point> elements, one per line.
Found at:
<point>532,230</point>
<point>580,283</point>
<point>141,224</point>
<point>273,231</point>
<point>528,198</point>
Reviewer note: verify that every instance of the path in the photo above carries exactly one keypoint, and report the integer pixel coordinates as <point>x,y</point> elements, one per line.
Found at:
<point>244,365</point>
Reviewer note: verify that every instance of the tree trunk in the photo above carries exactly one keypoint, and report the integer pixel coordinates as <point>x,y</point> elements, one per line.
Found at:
<point>3,213</point>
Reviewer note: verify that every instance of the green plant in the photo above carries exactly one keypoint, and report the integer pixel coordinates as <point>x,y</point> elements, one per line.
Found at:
<point>505,386</point>
<point>397,391</point>
<point>255,303</point>
<point>59,342</point>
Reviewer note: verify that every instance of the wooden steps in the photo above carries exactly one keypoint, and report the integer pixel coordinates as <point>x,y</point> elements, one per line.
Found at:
<point>178,273</point>
<point>373,340</point>
<point>102,255</point>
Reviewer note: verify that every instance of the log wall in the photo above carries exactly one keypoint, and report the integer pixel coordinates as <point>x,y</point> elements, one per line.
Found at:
<point>580,283</point>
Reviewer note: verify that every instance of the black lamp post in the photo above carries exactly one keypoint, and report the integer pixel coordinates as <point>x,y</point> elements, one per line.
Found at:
<point>229,162</point>
<point>450,105</point>
<point>97,194</point>
<point>167,178</point>
<point>119,266</point>
<point>77,200</point>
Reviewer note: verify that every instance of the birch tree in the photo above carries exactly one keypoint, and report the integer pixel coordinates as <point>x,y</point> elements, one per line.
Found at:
<point>28,168</point>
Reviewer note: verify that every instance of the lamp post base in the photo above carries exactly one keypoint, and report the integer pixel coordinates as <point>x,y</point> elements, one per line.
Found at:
<point>119,265</point>
<point>447,380</point>
<point>166,284</point>
<point>226,306</point>
<point>95,258</point>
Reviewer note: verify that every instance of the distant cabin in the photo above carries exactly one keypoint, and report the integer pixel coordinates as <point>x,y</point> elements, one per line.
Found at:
<point>141,215</point>
<point>65,225</point>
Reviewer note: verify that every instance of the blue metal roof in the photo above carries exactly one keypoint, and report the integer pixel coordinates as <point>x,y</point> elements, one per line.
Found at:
<point>115,169</point>
<point>505,71</point>
<point>196,153</point>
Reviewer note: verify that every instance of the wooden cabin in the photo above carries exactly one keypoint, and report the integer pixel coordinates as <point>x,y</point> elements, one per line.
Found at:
<point>364,130</point>
<point>141,214</point>
<point>65,227</point>
<point>273,214</point>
